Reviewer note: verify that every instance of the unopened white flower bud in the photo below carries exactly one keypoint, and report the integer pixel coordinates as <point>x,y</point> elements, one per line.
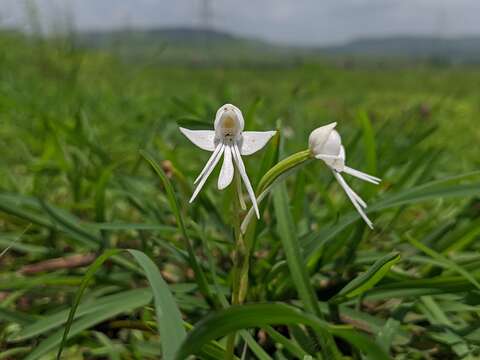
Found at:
<point>325,144</point>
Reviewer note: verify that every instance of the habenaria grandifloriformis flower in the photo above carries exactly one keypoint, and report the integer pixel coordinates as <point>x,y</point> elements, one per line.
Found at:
<point>230,141</point>
<point>325,144</point>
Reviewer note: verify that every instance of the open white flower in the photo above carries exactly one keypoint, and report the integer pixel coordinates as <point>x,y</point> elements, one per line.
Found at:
<point>228,139</point>
<point>325,144</point>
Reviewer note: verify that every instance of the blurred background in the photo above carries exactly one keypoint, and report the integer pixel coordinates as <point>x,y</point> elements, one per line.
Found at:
<point>86,84</point>
<point>443,31</point>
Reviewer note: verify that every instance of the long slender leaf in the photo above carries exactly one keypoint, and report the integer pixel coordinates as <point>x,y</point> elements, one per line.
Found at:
<point>169,319</point>
<point>223,322</point>
<point>296,265</point>
<point>366,281</point>
<point>172,199</point>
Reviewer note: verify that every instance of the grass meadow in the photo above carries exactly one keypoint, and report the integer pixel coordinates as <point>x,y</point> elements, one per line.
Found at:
<point>92,164</point>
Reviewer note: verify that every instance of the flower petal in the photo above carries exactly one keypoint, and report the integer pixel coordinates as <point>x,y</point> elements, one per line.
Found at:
<point>243,173</point>
<point>209,162</point>
<point>204,139</point>
<point>254,141</point>
<point>319,136</point>
<point>332,161</point>
<point>353,198</point>
<point>362,175</point>
<point>207,173</point>
<point>226,173</point>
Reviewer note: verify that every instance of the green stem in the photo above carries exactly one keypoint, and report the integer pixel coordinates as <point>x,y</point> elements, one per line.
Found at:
<point>282,167</point>
<point>298,270</point>
<point>240,265</point>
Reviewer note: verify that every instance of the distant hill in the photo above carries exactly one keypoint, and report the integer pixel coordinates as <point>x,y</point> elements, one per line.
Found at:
<point>454,49</point>
<point>200,44</point>
<point>182,45</point>
<point>178,36</point>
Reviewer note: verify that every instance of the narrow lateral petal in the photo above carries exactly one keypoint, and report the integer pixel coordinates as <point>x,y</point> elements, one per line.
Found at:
<point>243,173</point>
<point>209,162</point>
<point>207,173</point>
<point>254,141</point>
<point>226,173</point>
<point>352,198</point>
<point>361,175</point>
<point>204,139</point>
<point>353,194</point>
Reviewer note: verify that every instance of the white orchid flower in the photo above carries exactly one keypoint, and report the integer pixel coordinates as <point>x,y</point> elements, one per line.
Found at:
<point>230,141</point>
<point>325,144</point>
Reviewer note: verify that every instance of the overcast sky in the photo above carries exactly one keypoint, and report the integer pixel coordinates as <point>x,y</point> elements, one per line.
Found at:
<point>312,22</point>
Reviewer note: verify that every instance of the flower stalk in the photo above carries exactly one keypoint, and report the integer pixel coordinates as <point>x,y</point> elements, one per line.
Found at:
<point>241,263</point>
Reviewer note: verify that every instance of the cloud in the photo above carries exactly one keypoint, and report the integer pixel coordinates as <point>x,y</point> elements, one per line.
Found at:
<point>284,21</point>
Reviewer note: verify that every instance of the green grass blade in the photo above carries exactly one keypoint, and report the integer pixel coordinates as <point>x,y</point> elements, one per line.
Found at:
<point>169,319</point>
<point>288,236</point>
<point>86,280</point>
<point>172,199</point>
<point>221,323</point>
<point>288,344</point>
<point>47,323</point>
<point>82,324</point>
<point>298,270</point>
<point>440,189</point>
<point>452,264</point>
<point>366,281</point>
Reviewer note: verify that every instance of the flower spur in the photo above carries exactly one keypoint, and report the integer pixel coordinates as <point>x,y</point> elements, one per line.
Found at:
<point>325,144</point>
<point>230,141</point>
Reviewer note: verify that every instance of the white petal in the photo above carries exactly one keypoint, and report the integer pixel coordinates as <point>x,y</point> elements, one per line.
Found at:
<point>226,173</point>
<point>319,136</point>
<point>251,211</point>
<point>333,145</point>
<point>209,162</point>
<point>254,141</point>
<point>361,175</point>
<point>243,173</point>
<point>207,173</point>
<point>352,198</point>
<point>336,162</point>
<point>204,139</point>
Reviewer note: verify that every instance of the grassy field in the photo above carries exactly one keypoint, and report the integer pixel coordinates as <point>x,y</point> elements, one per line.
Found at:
<point>74,185</point>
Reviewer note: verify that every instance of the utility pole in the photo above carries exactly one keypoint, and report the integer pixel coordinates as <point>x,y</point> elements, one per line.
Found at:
<point>206,26</point>
<point>206,14</point>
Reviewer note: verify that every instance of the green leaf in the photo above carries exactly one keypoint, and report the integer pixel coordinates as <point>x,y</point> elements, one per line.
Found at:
<point>172,199</point>
<point>86,280</point>
<point>288,236</point>
<point>450,264</point>
<point>169,319</point>
<point>82,324</point>
<point>290,345</point>
<point>223,322</point>
<point>16,316</point>
<point>46,323</point>
<point>439,189</point>
<point>366,281</point>
<point>298,270</point>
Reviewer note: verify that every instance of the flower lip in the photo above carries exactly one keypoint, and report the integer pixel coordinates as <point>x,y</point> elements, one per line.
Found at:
<point>229,122</point>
